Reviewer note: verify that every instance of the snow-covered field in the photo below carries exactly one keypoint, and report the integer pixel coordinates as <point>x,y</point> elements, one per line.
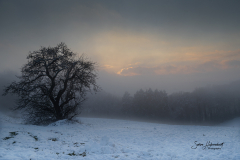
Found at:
<point>104,139</point>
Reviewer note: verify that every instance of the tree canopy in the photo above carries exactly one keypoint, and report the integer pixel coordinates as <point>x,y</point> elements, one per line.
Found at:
<point>53,84</point>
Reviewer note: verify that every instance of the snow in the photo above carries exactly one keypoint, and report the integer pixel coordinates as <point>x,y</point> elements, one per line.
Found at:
<point>232,123</point>
<point>96,138</point>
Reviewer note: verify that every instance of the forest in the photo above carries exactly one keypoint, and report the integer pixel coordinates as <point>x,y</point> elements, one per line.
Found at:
<point>204,105</point>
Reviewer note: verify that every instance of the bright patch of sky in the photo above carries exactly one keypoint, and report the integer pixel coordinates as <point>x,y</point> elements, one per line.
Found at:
<point>129,38</point>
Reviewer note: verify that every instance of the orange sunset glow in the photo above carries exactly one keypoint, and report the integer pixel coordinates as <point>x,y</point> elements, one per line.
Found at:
<point>136,44</point>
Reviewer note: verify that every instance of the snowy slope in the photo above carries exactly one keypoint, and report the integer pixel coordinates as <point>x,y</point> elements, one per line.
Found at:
<point>106,139</point>
<point>232,123</point>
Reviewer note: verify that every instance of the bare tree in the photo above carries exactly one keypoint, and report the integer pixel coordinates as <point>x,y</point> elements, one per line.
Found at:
<point>53,84</point>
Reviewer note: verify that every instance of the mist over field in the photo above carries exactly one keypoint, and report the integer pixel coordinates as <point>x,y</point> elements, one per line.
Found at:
<point>169,73</point>
<point>205,105</point>
<point>6,102</point>
<point>165,45</point>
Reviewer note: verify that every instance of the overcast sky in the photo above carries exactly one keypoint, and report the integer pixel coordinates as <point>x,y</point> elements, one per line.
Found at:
<point>175,45</point>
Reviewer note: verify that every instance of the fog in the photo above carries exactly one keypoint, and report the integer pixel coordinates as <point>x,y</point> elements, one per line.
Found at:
<point>117,85</point>
<point>185,102</point>
<point>208,105</point>
<point>165,45</point>
<point>7,102</point>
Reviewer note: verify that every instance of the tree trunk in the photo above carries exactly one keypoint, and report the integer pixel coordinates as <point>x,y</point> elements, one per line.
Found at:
<point>58,112</point>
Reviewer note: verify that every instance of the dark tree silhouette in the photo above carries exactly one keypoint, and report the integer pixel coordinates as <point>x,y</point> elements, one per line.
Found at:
<point>53,84</point>
<point>127,102</point>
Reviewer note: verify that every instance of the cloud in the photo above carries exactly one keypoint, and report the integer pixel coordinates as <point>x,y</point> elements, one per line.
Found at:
<point>132,71</point>
<point>107,66</point>
<point>233,63</point>
<point>208,66</point>
<point>141,70</point>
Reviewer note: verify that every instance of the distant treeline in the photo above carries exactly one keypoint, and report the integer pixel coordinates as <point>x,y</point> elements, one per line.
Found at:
<point>207,104</point>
